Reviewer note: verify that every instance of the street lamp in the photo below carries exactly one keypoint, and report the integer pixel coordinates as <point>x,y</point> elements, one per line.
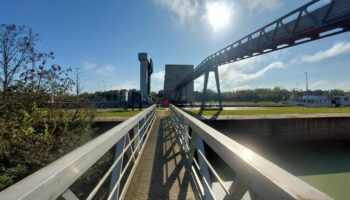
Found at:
<point>307,88</point>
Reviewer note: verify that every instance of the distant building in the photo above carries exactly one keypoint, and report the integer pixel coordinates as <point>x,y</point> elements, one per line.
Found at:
<point>174,74</point>
<point>341,100</point>
<point>146,70</point>
<point>311,100</point>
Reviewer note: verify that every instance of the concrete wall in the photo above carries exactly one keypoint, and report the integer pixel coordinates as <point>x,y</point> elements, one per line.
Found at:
<point>174,74</point>
<point>323,128</point>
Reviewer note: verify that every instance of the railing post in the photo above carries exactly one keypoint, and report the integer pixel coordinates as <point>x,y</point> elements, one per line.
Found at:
<point>186,134</point>
<point>204,169</point>
<point>137,135</point>
<point>119,147</point>
<point>238,188</point>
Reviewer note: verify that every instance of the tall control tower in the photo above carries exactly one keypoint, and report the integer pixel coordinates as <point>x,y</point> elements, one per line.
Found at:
<point>146,70</point>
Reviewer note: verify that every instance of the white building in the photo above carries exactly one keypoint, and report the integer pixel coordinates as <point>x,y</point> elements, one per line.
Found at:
<point>312,101</point>
<point>342,100</point>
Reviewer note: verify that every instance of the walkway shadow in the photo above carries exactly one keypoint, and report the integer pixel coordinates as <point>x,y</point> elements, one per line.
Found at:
<point>170,179</point>
<point>216,114</point>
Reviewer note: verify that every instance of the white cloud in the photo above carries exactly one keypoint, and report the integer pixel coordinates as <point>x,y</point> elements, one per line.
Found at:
<point>88,65</point>
<point>183,11</point>
<point>237,75</point>
<point>190,12</point>
<point>338,48</point>
<point>126,85</point>
<point>262,4</point>
<point>107,70</point>
<point>318,84</point>
<point>157,80</point>
<point>232,76</point>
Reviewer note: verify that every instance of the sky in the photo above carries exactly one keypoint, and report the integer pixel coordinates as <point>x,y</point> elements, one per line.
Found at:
<point>103,39</point>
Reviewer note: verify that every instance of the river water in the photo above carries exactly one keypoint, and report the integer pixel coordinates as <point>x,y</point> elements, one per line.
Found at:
<point>323,164</point>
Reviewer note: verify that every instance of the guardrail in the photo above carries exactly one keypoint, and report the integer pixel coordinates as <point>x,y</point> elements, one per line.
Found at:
<point>252,174</point>
<point>55,179</point>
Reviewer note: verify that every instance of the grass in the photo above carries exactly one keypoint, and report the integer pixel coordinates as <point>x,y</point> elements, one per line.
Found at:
<point>117,112</point>
<point>274,111</point>
<point>243,103</point>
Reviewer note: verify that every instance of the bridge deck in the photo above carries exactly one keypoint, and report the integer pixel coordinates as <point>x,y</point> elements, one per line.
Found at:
<point>161,173</point>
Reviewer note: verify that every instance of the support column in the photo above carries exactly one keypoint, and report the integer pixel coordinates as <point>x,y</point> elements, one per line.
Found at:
<point>204,94</point>
<point>216,71</point>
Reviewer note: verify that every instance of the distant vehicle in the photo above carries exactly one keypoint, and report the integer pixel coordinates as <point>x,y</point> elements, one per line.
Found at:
<point>165,102</point>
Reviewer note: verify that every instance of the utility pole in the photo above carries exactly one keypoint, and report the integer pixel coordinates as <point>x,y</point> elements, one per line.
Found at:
<point>307,88</point>
<point>104,89</point>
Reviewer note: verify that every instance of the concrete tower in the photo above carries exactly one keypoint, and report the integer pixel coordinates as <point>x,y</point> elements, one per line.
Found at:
<point>174,74</point>
<point>146,70</point>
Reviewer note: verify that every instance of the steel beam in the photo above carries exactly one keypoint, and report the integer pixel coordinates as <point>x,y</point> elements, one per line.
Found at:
<point>309,22</point>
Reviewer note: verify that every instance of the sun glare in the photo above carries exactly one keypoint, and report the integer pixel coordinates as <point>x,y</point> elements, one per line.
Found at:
<point>218,15</point>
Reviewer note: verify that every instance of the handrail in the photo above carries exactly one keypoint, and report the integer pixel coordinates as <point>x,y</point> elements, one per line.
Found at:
<point>53,180</point>
<point>261,177</point>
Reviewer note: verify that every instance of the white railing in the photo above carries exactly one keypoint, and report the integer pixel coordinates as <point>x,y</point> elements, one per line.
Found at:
<point>54,180</point>
<point>252,176</point>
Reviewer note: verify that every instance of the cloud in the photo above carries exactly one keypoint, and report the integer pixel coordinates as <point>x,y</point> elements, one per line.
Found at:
<point>107,70</point>
<point>189,12</point>
<point>262,4</point>
<point>237,75</point>
<point>157,80</point>
<point>88,65</point>
<point>338,48</point>
<point>183,11</point>
<point>230,75</point>
<point>318,84</point>
<point>127,85</point>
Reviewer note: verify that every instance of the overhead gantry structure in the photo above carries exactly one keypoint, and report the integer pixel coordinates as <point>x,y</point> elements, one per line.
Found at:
<point>315,20</point>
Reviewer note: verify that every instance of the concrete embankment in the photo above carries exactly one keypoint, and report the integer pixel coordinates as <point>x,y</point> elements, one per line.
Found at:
<point>296,128</point>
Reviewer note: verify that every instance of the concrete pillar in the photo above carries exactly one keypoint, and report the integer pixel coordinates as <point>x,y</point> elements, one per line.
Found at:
<point>216,71</point>
<point>204,94</point>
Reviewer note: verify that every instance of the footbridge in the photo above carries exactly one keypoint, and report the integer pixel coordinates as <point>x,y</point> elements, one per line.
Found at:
<point>315,20</point>
<point>163,154</point>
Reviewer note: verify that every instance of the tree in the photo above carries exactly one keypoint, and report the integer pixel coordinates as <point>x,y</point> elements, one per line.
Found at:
<point>17,45</point>
<point>31,137</point>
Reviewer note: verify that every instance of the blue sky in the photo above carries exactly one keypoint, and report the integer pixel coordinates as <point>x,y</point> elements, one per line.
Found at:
<point>103,39</point>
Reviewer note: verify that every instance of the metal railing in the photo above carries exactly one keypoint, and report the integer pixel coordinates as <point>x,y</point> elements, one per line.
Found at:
<point>54,180</point>
<point>252,175</point>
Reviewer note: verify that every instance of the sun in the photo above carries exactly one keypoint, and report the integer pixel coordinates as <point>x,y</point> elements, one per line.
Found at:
<point>218,14</point>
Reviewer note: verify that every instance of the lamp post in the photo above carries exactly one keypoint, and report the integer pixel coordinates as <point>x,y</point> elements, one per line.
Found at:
<point>307,88</point>
<point>104,89</point>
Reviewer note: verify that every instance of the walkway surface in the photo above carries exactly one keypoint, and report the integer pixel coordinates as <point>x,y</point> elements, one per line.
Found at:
<point>161,173</point>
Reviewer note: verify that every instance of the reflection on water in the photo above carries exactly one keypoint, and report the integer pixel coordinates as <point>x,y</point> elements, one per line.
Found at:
<point>325,165</point>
